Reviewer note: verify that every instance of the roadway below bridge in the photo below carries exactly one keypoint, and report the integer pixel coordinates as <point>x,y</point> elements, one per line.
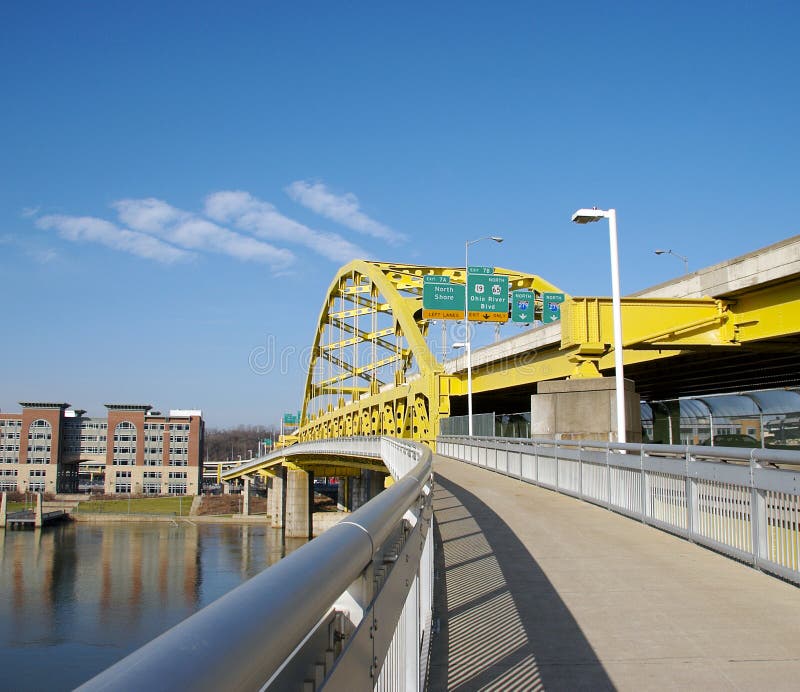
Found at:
<point>536,590</point>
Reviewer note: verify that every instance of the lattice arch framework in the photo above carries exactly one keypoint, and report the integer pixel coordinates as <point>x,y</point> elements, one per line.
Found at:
<point>371,371</point>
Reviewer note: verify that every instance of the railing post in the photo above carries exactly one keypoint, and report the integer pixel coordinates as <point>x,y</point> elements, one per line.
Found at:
<point>580,470</point>
<point>690,490</point>
<point>758,517</point>
<point>555,454</point>
<point>645,495</point>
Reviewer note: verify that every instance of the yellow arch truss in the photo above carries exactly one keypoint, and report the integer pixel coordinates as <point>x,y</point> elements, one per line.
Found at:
<point>371,370</point>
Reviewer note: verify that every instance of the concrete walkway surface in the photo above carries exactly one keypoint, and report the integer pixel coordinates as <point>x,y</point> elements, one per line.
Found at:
<point>539,591</point>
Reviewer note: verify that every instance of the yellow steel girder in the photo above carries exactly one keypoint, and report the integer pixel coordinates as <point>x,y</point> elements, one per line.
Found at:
<point>652,329</point>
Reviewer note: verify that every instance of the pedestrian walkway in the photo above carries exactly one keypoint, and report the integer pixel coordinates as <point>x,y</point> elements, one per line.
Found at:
<point>536,590</point>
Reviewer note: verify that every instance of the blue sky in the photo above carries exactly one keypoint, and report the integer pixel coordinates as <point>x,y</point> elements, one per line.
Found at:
<point>180,181</point>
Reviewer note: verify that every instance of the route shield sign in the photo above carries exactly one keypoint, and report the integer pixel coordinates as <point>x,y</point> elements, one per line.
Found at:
<point>522,306</point>
<point>551,306</point>
<point>487,294</point>
<point>441,299</point>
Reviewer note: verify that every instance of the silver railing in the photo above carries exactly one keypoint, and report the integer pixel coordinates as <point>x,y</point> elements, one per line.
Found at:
<point>349,610</point>
<point>744,503</point>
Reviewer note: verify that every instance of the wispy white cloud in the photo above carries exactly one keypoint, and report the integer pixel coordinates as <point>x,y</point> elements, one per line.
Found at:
<point>92,229</point>
<point>38,253</point>
<point>261,218</point>
<point>29,212</point>
<point>343,209</point>
<point>187,230</point>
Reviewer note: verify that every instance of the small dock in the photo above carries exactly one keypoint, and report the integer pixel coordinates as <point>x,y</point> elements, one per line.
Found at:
<point>27,518</point>
<point>34,518</point>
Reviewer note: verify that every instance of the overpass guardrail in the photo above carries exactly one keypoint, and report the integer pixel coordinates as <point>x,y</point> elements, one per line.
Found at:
<point>744,503</point>
<point>350,610</point>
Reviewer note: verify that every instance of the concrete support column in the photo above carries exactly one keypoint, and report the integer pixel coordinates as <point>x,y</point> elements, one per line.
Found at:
<point>276,493</point>
<point>3,510</point>
<point>299,508</point>
<point>246,497</point>
<point>584,409</point>
<point>38,521</point>
<point>362,488</point>
<point>226,487</point>
<point>667,423</point>
<point>341,498</point>
<point>356,494</point>
<point>376,483</point>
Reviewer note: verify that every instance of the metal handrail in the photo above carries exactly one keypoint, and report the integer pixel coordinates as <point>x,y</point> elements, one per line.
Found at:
<point>243,638</point>
<point>758,454</point>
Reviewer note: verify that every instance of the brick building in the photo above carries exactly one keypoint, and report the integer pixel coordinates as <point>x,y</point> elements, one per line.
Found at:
<point>48,446</point>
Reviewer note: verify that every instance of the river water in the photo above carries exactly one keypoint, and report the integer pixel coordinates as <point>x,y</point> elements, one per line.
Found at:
<point>75,598</point>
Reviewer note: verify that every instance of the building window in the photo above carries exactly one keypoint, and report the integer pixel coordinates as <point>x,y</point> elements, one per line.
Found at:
<point>122,487</point>
<point>123,474</point>
<point>36,487</point>
<point>125,454</point>
<point>176,488</point>
<point>39,429</point>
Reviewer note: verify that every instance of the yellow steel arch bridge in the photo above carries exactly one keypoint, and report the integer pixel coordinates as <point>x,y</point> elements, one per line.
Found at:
<point>372,372</point>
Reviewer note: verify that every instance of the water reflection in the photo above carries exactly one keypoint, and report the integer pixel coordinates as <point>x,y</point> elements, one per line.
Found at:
<point>75,598</point>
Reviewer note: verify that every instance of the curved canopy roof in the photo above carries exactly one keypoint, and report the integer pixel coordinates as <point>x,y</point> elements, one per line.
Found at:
<point>767,402</point>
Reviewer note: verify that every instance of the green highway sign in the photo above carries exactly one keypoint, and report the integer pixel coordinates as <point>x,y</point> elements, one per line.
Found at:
<point>522,306</point>
<point>441,299</point>
<point>488,296</point>
<point>551,306</point>
<point>480,270</point>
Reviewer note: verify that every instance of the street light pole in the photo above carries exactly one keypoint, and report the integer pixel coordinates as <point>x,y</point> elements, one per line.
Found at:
<point>588,216</point>
<point>685,260</point>
<point>468,338</point>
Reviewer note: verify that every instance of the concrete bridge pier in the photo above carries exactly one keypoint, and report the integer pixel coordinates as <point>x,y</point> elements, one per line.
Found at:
<point>275,500</point>
<point>246,497</point>
<point>299,504</point>
<point>584,409</point>
<point>358,490</point>
<point>343,493</point>
<point>38,521</point>
<point>667,423</point>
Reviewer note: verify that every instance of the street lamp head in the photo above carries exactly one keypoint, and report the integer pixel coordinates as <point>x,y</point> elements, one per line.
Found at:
<point>496,238</point>
<point>459,344</point>
<point>588,215</point>
<point>661,252</point>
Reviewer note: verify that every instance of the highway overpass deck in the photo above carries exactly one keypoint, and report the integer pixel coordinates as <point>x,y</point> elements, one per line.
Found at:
<point>537,590</point>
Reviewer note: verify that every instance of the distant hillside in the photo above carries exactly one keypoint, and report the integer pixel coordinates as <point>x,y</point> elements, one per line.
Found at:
<point>233,443</point>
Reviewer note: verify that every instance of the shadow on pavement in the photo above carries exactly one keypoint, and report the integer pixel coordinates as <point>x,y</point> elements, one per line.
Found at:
<point>502,626</point>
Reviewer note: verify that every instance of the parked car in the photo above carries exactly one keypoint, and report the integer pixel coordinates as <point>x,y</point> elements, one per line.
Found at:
<point>733,440</point>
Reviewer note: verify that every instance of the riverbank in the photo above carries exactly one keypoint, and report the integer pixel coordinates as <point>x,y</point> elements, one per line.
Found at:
<point>322,520</point>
